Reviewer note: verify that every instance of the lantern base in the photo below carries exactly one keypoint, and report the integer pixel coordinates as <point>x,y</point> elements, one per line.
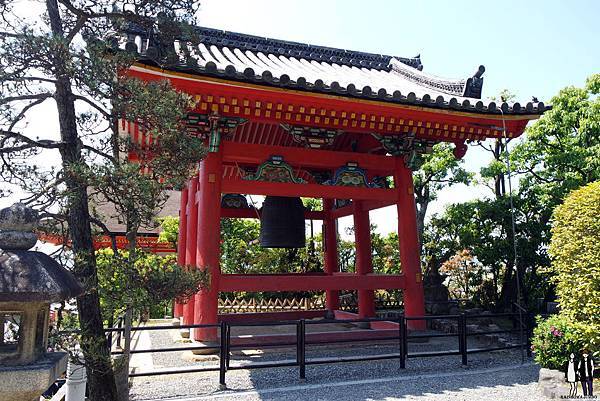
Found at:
<point>28,382</point>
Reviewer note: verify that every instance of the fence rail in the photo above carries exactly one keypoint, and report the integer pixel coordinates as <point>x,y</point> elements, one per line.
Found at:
<point>402,337</point>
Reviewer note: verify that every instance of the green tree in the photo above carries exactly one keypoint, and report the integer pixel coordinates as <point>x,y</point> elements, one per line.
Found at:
<point>440,169</point>
<point>561,151</point>
<point>481,226</point>
<point>151,279</point>
<point>575,252</point>
<point>69,56</point>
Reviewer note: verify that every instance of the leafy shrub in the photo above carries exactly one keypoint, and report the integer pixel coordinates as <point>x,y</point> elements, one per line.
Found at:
<point>143,281</point>
<point>575,252</point>
<point>169,229</point>
<point>554,339</point>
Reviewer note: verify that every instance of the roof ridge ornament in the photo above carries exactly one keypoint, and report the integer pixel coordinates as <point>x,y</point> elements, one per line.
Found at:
<point>451,87</point>
<point>474,84</point>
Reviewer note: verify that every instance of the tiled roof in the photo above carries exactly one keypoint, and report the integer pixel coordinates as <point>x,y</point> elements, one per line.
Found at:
<point>271,62</point>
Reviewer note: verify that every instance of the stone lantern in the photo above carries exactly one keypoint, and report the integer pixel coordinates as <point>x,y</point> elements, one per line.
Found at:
<point>29,282</point>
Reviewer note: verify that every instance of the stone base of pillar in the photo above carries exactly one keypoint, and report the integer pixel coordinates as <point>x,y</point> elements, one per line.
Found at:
<point>209,351</point>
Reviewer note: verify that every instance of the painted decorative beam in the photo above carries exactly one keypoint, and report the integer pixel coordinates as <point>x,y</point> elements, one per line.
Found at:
<point>309,282</point>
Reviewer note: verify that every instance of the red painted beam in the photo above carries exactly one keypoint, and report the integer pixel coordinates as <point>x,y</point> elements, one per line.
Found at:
<point>368,205</point>
<point>255,214</point>
<point>237,186</point>
<point>308,282</point>
<point>245,153</point>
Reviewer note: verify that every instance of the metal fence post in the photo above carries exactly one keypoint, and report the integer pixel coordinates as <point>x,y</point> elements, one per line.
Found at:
<point>462,337</point>
<point>228,343</point>
<point>127,335</point>
<point>529,331</point>
<point>298,335</point>
<point>401,338</point>
<point>302,348</point>
<point>120,332</point>
<point>223,356</point>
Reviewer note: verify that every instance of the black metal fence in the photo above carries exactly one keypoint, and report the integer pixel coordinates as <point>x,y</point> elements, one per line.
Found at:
<point>521,324</point>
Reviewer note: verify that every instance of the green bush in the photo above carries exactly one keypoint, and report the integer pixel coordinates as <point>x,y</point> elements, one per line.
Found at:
<point>554,339</point>
<point>143,281</point>
<point>575,253</point>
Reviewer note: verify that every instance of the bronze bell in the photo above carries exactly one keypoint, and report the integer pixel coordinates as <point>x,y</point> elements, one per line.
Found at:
<point>282,223</point>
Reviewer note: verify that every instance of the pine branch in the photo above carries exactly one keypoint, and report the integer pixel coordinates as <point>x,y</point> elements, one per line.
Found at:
<point>98,152</point>
<point>107,232</point>
<point>29,143</point>
<point>81,20</point>
<point>35,79</point>
<point>98,108</point>
<point>36,96</point>
<point>20,116</point>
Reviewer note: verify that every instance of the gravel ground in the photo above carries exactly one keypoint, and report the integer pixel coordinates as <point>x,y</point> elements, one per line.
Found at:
<point>420,380</point>
<point>508,384</point>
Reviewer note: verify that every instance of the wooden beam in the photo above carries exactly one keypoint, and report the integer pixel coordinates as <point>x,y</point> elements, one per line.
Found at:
<point>253,213</point>
<point>238,186</point>
<point>308,282</point>
<point>245,153</point>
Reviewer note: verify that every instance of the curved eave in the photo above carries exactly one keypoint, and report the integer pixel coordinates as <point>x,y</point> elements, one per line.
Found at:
<point>266,79</point>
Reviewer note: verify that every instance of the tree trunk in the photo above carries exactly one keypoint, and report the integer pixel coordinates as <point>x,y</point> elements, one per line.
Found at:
<point>421,213</point>
<point>508,291</point>
<point>93,342</point>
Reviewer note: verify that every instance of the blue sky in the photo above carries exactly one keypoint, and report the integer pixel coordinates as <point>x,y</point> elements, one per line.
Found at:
<point>532,48</point>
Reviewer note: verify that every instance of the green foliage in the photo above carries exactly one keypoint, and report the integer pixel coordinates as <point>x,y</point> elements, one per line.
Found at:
<point>67,53</point>
<point>312,204</point>
<point>560,152</point>
<point>592,84</point>
<point>575,252</point>
<point>553,340</point>
<point>169,229</point>
<point>144,281</point>
<point>484,227</point>
<point>386,252</point>
<point>562,149</point>
<point>439,169</point>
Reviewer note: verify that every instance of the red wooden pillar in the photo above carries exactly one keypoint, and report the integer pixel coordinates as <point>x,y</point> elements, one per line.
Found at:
<point>190,242</point>
<point>209,243</point>
<point>414,302</point>
<point>364,263</point>
<point>332,297</point>
<point>178,310</point>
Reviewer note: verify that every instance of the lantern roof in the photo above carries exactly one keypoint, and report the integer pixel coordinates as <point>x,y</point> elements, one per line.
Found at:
<point>29,276</point>
<point>280,63</point>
